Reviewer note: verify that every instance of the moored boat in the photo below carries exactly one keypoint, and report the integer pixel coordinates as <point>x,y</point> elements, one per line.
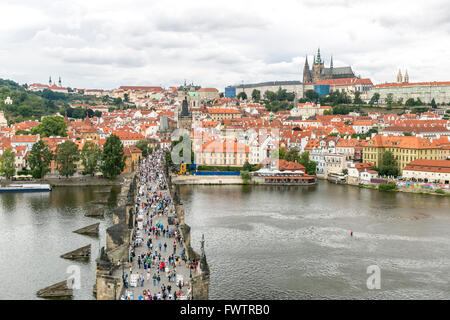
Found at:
<point>25,188</point>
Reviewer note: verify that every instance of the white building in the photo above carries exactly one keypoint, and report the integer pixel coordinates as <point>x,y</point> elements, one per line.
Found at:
<point>425,91</point>
<point>423,170</point>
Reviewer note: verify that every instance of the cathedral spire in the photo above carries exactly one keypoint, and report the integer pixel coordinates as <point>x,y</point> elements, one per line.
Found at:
<point>399,77</point>
<point>50,81</point>
<point>331,63</point>
<point>406,78</point>
<point>307,72</point>
<point>319,60</point>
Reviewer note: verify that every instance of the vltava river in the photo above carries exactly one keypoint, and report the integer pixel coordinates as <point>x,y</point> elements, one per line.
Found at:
<point>266,242</point>
<point>36,228</point>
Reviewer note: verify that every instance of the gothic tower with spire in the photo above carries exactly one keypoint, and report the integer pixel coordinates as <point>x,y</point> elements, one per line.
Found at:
<point>50,81</point>
<point>306,72</point>
<point>320,73</point>
<point>59,82</point>
<point>317,67</point>
<point>399,77</point>
<point>406,78</point>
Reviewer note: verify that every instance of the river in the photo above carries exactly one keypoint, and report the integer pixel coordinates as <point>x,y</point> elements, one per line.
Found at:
<point>36,228</point>
<point>262,242</point>
<point>269,242</point>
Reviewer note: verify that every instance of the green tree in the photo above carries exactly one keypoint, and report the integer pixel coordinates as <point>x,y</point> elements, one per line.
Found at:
<point>281,94</point>
<point>256,95</point>
<point>39,159</point>
<point>7,165</point>
<point>90,155</point>
<point>433,103</point>
<point>67,155</point>
<point>390,99</point>
<point>309,165</point>
<point>242,96</point>
<point>97,113</point>
<point>375,98</point>
<point>357,99</point>
<point>410,102</point>
<point>51,126</point>
<point>126,97</point>
<point>270,95</point>
<point>388,166</point>
<point>113,157</point>
<point>246,177</point>
<point>118,101</point>
<point>247,166</point>
<point>311,96</point>
<point>293,155</point>
<point>143,146</point>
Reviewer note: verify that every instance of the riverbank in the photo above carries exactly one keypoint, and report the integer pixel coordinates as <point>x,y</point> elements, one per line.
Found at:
<point>206,180</point>
<point>73,181</point>
<point>405,190</point>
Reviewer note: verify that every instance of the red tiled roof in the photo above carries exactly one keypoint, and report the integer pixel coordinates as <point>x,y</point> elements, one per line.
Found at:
<point>387,85</point>
<point>442,166</point>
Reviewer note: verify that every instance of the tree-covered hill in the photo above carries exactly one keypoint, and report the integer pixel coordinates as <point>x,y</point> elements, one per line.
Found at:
<point>33,105</point>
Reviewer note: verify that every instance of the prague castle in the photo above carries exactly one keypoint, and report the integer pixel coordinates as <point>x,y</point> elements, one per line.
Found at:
<point>320,73</point>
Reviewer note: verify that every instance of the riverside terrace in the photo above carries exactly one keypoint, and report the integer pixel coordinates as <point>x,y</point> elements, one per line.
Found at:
<point>157,261</point>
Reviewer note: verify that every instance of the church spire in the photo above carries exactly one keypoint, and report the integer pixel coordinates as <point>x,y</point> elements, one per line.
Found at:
<point>50,81</point>
<point>307,72</point>
<point>59,82</point>
<point>319,60</point>
<point>406,79</point>
<point>331,63</point>
<point>399,77</point>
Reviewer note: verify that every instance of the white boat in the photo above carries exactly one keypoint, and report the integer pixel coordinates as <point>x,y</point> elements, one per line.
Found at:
<point>25,188</point>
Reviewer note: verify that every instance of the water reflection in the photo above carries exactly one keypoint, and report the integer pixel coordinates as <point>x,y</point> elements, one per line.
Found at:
<point>36,228</point>
<point>273,242</point>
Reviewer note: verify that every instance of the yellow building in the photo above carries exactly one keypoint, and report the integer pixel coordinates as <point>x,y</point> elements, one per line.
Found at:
<point>405,149</point>
<point>218,153</point>
<point>218,114</point>
<point>134,155</point>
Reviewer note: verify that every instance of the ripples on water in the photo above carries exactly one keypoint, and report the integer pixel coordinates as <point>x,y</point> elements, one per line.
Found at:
<point>294,243</point>
<point>36,228</point>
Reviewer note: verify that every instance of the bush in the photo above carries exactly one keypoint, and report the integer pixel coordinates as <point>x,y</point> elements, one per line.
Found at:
<point>440,191</point>
<point>387,187</point>
<point>245,175</point>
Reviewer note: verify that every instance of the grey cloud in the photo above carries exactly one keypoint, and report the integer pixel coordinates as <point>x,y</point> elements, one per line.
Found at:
<point>217,43</point>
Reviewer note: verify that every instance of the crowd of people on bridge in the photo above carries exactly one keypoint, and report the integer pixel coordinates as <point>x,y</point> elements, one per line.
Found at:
<point>157,252</point>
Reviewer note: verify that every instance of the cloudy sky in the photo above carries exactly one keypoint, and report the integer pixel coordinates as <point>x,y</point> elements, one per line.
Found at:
<point>108,43</point>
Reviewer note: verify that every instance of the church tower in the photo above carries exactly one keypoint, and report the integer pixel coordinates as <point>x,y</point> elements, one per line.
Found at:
<point>50,81</point>
<point>406,79</point>
<point>318,66</point>
<point>399,77</point>
<point>306,72</point>
<point>59,82</point>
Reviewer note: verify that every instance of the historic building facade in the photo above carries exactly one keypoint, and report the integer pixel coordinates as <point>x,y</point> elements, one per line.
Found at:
<point>320,73</point>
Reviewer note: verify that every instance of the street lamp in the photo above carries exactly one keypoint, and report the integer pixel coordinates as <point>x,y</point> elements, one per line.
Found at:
<point>115,286</point>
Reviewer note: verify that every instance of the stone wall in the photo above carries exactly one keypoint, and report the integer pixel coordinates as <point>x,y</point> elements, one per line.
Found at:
<point>118,239</point>
<point>201,280</point>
